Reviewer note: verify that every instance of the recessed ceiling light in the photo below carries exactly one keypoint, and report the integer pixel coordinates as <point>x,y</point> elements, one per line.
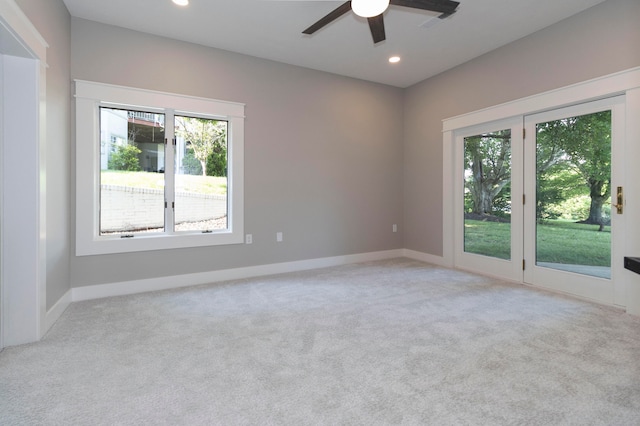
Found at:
<point>181,2</point>
<point>394,59</point>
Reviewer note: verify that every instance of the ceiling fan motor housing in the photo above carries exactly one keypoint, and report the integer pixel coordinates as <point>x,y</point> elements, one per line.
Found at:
<point>373,10</point>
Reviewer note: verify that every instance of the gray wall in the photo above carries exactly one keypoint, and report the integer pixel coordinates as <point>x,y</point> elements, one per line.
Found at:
<point>323,153</point>
<point>52,20</point>
<point>599,41</point>
<point>332,162</point>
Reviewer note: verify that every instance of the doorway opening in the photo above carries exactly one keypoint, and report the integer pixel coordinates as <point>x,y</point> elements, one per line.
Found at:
<point>22,212</point>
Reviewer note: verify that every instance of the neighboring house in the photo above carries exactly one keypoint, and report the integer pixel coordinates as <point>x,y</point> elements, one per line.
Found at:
<point>114,121</point>
<point>144,130</point>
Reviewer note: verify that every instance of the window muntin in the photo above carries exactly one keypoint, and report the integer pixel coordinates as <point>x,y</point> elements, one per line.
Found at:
<point>94,146</point>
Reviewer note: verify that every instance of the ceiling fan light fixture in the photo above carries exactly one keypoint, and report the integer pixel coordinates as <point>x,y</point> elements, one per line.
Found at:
<point>369,8</point>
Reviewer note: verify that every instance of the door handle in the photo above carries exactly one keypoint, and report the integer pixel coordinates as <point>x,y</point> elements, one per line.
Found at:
<point>619,200</point>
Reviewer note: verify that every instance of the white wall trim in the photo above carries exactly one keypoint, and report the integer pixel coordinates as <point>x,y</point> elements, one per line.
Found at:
<point>597,88</point>
<point>178,281</point>
<point>448,198</point>
<point>57,310</point>
<point>14,19</point>
<point>425,257</point>
<point>632,198</point>
<point>111,93</point>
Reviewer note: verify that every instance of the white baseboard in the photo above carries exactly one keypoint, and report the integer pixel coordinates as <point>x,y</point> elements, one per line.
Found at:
<point>425,257</point>
<point>56,311</point>
<point>177,281</point>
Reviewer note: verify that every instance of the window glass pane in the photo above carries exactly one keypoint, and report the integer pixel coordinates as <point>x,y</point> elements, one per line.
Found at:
<point>573,199</point>
<point>201,174</point>
<point>131,171</point>
<point>487,194</point>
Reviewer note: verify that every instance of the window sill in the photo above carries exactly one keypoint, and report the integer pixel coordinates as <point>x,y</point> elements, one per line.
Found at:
<point>111,245</point>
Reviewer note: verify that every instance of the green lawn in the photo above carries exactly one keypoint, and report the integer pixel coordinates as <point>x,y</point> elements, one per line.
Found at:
<point>189,183</point>
<point>557,242</point>
<point>487,238</point>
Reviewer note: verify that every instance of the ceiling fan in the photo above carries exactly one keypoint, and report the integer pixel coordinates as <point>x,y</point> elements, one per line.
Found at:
<point>373,10</point>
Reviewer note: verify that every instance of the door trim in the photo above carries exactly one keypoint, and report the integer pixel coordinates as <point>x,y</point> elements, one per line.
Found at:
<point>24,209</point>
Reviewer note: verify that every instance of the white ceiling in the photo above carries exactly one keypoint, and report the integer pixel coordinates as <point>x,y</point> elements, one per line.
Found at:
<point>272,29</point>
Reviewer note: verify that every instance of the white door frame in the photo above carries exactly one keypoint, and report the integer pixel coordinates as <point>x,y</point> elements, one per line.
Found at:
<point>605,290</point>
<point>512,268</point>
<point>622,83</point>
<point>23,216</point>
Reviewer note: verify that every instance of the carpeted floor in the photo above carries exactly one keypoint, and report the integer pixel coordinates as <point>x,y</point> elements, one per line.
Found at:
<point>389,342</point>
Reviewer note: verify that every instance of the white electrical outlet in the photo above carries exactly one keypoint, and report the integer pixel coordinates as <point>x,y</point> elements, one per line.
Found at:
<point>248,239</point>
<point>395,228</point>
<point>279,237</point>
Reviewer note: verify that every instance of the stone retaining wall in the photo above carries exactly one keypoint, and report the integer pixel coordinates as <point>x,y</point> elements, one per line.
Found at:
<point>124,208</point>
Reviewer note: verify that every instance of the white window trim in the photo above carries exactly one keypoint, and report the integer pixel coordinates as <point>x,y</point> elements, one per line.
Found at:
<point>89,97</point>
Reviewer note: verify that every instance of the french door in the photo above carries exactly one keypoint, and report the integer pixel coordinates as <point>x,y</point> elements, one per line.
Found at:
<point>488,222</point>
<point>573,167</point>
<point>534,200</point>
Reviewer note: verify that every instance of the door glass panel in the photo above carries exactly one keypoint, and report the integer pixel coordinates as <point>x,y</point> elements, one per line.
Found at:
<point>573,194</point>
<point>201,174</point>
<point>487,194</point>
<point>131,171</point>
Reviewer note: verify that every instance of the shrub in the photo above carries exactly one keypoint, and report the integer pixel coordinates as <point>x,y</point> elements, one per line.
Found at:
<point>190,163</point>
<point>125,158</point>
<point>217,163</point>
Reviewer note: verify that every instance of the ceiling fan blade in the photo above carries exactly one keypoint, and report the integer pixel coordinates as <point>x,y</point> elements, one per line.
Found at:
<point>376,25</point>
<point>445,7</point>
<point>330,17</point>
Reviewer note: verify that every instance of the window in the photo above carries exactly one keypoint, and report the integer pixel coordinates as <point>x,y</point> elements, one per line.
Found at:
<point>156,170</point>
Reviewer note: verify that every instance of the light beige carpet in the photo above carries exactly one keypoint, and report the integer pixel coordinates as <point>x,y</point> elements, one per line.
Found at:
<point>390,342</point>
